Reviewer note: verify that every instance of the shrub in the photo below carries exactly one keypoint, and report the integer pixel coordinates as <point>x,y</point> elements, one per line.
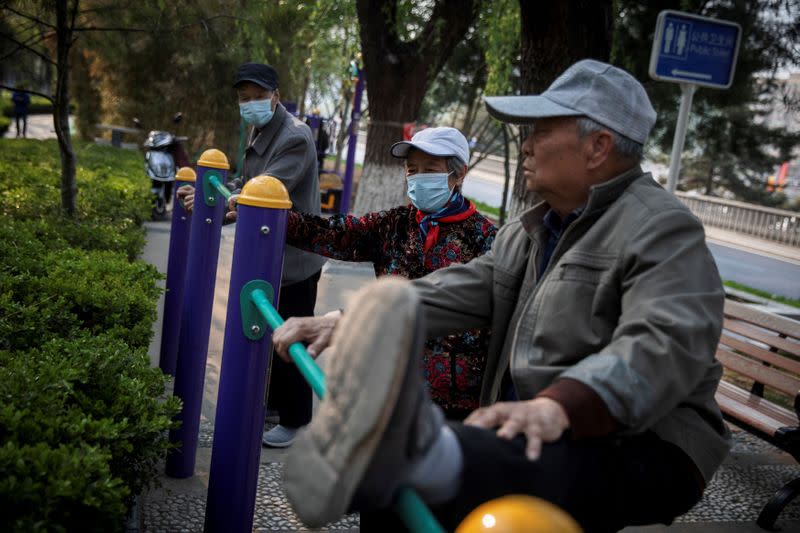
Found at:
<point>82,431</point>
<point>81,426</point>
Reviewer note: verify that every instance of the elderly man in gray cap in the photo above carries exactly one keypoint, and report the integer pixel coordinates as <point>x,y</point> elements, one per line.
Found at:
<point>606,308</point>
<point>282,146</point>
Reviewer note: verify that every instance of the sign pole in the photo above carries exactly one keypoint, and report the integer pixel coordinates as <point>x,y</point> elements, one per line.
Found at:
<point>687,94</point>
<point>696,52</point>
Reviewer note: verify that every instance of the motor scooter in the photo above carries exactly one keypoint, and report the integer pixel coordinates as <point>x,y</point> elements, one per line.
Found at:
<point>164,154</point>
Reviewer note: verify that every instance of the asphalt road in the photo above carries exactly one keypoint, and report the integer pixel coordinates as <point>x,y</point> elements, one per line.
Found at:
<point>758,271</point>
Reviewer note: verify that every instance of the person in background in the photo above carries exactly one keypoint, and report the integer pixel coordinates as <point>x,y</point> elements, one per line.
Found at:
<point>22,101</point>
<point>280,145</point>
<point>438,229</point>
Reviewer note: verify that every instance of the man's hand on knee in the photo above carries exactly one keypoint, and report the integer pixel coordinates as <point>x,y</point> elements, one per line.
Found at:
<point>540,420</point>
<point>314,330</point>
<point>186,195</point>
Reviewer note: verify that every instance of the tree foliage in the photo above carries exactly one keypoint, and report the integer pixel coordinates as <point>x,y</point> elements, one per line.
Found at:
<point>729,150</point>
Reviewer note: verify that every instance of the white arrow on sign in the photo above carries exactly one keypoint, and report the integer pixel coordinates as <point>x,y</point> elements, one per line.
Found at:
<point>698,75</point>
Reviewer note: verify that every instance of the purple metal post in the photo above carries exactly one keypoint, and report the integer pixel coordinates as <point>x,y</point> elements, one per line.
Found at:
<point>176,272</point>
<point>257,255</point>
<point>347,186</point>
<point>201,272</point>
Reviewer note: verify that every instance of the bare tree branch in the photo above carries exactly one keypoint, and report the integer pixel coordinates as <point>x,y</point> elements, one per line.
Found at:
<point>8,87</point>
<point>28,48</point>
<point>29,17</point>
<point>202,21</point>
<point>27,44</point>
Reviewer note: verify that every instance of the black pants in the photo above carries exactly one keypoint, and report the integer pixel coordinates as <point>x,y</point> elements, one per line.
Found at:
<point>288,392</point>
<point>24,119</point>
<point>605,484</point>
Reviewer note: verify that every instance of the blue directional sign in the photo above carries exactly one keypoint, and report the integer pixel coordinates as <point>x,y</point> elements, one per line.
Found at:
<point>693,49</point>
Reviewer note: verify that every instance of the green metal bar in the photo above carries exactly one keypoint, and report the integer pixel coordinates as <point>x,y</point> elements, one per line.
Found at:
<point>408,505</point>
<point>415,514</point>
<point>223,190</point>
<point>305,364</point>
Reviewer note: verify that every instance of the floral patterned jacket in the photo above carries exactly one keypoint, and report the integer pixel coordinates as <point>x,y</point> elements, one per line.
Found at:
<point>453,365</point>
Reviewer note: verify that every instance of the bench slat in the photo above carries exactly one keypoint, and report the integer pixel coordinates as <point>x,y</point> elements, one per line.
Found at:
<point>753,410</point>
<point>755,333</point>
<point>760,353</point>
<point>771,321</point>
<point>769,376</point>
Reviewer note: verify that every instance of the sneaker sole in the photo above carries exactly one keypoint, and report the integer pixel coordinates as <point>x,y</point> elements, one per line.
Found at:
<point>277,444</point>
<point>330,457</point>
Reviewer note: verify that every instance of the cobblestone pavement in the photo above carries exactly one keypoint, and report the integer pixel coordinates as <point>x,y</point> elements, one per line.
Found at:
<point>749,477</point>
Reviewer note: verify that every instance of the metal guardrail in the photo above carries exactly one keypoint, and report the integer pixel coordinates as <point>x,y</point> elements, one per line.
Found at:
<point>775,225</point>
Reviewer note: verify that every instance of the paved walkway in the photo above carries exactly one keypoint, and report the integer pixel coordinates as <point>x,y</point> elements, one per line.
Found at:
<point>40,126</point>
<point>752,472</point>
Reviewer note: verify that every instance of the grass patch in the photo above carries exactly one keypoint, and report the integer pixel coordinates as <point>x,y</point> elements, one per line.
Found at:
<point>486,209</point>
<point>763,294</point>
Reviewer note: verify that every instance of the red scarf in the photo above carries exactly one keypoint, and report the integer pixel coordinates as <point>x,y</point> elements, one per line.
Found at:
<point>432,223</point>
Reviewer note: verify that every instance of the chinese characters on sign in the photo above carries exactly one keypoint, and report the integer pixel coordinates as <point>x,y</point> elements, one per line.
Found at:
<point>694,49</point>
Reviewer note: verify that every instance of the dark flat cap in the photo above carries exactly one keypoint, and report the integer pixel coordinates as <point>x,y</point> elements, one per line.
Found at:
<point>258,73</point>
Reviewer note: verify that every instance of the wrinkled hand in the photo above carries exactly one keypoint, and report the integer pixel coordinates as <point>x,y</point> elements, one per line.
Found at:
<point>314,330</point>
<point>540,420</point>
<point>232,214</point>
<point>186,195</point>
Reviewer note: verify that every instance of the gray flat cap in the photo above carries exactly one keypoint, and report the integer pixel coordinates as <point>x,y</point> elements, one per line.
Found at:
<point>606,94</point>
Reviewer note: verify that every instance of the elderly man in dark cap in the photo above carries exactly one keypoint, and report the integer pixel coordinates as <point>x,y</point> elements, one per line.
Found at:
<point>605,307</point>
<point>282,146</point>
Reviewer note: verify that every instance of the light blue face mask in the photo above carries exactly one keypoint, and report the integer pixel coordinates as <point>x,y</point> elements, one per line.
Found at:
<point>429,192</point>
<point>256,112</point>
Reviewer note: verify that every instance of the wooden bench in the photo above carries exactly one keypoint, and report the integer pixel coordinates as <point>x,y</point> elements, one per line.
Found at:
<point>764,349</point>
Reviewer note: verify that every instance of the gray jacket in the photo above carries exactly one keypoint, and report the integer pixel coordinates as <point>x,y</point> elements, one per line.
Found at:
<point>285,149</point>
<point>630,305</point>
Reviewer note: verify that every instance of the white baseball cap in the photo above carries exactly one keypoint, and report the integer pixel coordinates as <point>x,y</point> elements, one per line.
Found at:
<point>441,142</point>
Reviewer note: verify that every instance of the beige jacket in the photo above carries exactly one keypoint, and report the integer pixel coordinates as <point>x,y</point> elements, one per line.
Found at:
<point>630,305</point>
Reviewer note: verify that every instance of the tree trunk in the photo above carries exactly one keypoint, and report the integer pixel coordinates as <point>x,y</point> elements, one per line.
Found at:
<point>554,36</point>
<point>64,24</point>
<point>507,174</point>
<point>344,128</point>
<point>710,181</point>
<point>398,74</point>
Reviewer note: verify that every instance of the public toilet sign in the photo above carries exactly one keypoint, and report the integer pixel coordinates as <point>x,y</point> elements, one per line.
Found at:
<point>692,49</point>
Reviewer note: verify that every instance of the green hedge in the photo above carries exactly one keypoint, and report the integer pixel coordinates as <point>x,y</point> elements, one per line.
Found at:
<point>39,105</point>
<point>81,423</point>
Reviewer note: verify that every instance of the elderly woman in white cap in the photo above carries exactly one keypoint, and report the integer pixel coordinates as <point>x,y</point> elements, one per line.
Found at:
<point>439,228</point>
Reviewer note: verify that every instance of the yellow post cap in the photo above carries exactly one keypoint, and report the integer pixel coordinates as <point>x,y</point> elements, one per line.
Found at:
<point>213,158</point>
<point>518,514</point>
<point>186,174</point>
<point>265,191</point>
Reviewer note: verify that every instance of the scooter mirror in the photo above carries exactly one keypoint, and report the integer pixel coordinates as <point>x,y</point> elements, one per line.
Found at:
<point>178,117</point>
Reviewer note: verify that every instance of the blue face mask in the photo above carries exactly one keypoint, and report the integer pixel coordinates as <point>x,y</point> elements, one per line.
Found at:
<point>256,112</point>
<point>429,192</point>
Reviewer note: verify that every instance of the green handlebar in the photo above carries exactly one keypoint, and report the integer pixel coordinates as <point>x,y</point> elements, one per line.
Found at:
<point>408,505</point>
<point>223,190</point>
<point>305,364</point>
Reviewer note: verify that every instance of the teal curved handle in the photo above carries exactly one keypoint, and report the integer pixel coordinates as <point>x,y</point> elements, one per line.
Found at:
<point>408,505</point>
